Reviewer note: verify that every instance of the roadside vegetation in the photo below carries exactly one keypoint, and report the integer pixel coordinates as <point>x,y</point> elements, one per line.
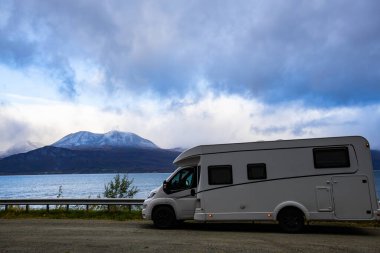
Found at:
<point>125,214</point>
<point>120,215</point>
<point>118,187</point>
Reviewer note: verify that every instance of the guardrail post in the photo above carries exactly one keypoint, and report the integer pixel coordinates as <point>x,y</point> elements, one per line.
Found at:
<point>67,208</point>
<point>86,208</point>
<point>27,208</point>
<point>6,207</point>
<point>108,208</point>
<point>47,208</point>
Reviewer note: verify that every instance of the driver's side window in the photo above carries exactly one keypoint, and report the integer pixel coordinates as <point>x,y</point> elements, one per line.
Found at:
<point>183,180</point>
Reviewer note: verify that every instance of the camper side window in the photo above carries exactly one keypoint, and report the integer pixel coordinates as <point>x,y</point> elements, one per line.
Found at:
<point>220,174</point>
<point>257,171</point>
<point>336,157</point>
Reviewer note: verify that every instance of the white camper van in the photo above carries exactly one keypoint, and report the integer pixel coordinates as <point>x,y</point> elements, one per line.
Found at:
<point>289,181</point>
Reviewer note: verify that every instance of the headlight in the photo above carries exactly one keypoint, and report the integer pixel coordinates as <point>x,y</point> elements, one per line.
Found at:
<point>151,195</point>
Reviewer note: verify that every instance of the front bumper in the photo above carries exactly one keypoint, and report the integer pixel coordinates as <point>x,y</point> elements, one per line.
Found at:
<point>146,211</point>
<point>377,214</point>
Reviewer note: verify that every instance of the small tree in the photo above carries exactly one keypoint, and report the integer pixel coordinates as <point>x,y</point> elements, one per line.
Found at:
<point>60,192</point>
<point>120,188</point>
<point>59,195</point>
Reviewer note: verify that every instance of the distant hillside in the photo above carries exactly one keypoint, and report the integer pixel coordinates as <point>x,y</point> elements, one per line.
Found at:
<point>376,159</point>
<point>53,160</point>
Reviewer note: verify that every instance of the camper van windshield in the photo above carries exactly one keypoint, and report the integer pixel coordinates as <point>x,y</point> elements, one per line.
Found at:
<point>184,179</point>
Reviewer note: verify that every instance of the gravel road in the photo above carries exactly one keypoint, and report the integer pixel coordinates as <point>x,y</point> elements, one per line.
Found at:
<point>45,235</point>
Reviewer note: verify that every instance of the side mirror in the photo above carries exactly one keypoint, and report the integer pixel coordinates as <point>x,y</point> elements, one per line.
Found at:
<point>165,186</point>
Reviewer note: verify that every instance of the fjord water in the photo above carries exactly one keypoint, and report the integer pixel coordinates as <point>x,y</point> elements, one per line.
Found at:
<point>83,185</point>
<point>73,185</point>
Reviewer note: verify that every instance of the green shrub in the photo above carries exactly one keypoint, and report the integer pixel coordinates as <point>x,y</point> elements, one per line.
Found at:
<point>120,188</point>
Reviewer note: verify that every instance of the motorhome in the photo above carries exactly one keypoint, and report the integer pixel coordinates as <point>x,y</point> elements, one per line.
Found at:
<point>287,181</point>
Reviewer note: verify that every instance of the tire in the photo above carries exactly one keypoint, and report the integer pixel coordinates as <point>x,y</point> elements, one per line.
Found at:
<point>291,220</point>
<point>164,217</point>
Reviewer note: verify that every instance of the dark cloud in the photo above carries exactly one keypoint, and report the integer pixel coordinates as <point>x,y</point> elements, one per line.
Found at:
<point>304,51</point>
<point>16,53</point>
<point>322,52</point>
<point>24,43</point>
<point>60,69</point>
<point>303,128</point>
<point>268,130</point>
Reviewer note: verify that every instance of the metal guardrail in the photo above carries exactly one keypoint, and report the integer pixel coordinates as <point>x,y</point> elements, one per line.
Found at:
<point>67,202</point>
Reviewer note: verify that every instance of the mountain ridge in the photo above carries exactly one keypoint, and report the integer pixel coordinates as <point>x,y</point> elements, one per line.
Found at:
<point>87,152</point>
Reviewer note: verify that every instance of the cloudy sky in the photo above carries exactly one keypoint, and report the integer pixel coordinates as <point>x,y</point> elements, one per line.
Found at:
<point>187,72</point>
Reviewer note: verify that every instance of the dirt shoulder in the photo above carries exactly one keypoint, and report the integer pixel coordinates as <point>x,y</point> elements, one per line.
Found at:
<point>48,235</point>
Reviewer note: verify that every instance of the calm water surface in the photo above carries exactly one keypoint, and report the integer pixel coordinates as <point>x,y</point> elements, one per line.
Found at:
<point>83,185</point>
<point>73,185</point>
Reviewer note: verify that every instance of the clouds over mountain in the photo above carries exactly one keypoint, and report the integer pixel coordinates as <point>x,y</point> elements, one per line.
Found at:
<point>211,118</point>
<point>318,51</point>
<point>184,73</point>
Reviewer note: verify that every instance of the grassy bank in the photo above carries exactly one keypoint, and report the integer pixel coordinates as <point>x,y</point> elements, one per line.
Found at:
<point>125,214</point>
<point>120,215</point>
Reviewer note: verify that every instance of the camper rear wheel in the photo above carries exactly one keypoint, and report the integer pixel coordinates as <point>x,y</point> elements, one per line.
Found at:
<point>291,220</point>
<point>164,217</point>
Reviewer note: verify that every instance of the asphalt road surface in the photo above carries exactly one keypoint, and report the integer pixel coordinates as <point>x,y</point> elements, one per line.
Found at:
<point>45,235</point>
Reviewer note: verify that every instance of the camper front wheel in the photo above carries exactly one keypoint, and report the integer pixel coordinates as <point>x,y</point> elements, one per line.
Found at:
<point>164,217</point>
<point>291,220</point>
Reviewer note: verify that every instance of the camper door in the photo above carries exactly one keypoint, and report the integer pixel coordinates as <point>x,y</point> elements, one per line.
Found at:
<point>180,187</point>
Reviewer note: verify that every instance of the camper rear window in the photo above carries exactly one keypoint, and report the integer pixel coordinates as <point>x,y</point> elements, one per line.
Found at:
<point>257,171</point>
<point>331,157</point>
<point>220,174</point>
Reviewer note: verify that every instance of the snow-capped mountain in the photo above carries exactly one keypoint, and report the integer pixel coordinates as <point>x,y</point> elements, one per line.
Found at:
<point>112,139</point>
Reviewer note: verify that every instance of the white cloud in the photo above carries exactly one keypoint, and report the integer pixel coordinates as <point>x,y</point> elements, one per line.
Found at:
<point>210,118</point>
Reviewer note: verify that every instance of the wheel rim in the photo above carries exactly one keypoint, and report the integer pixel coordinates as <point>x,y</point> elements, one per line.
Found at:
<point>163,218</point>
<point>292,221</point>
